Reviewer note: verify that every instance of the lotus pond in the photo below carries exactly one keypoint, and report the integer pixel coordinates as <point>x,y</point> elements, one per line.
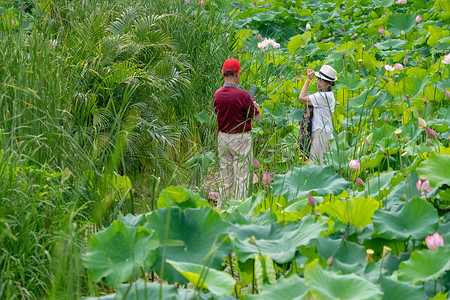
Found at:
<point>107,195</point>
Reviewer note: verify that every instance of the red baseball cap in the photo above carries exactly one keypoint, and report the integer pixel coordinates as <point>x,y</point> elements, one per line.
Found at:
<point>231,65</point>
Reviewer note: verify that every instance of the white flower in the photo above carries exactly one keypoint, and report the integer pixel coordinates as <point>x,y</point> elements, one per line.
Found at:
<point>276,46</point>
<point>308,27</point>
<point>389,68</point>
<point>446,59</point>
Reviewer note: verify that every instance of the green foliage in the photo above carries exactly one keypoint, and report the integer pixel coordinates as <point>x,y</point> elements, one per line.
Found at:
<point>425,265</point>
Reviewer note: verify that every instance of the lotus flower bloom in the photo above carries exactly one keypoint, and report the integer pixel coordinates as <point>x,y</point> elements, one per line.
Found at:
<point>187,1</point>
<point>389,68</point>
<point>308,27</point>
<point>259,36</point>
<point>447,93</point>
<point>255,178</point>
<point>359,182</point>
<point>398,66</point>
<point>418,18</point>
<point>431,133</point>
<point>401,1</point>
<point>256,163</point>
<point>423,186</point>
<point>422,123</point>
<point>381,31</point>
<point>446,59</point>
<point>354,164</point>
<point>311,200</point>
<point>275,45</point>
<point>202,2</point>
<point>434,241</point>
<point>266,178</point>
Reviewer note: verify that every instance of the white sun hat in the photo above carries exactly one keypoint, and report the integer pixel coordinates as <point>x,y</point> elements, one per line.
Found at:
<point>327,73</point>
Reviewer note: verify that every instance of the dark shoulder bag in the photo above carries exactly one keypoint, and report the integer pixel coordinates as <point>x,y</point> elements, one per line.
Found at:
<point>304,135</point>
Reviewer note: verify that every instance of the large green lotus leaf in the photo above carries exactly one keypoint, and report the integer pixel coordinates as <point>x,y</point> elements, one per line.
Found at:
<point>392,43</point>
<point>278,241</point>
<point>299,182</point>
<point>292,288</point>
<point>425,265</point>
<point>417,219</point>
<point>443,84</point>
<point>180,196</point>
<point>119,252</point>
<point>372,160</point>
<point>351,82</point>
<point>237,218</point>
<point>437,169</point>
<point>356,211</point>
<point>326,285</point>
<point>299,41</point>
<point>399,22</point>
<point>384,3</point>
<point>195,235</point>
<point>218,283</point>
<point>378,186</point>
<point>394,290</point>
<point>404,190</point>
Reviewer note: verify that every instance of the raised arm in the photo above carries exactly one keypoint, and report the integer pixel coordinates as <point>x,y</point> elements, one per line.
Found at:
<point>304,98</point>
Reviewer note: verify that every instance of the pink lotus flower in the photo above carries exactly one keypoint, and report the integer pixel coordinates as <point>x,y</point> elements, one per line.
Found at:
<point>423,186</point>
<point>398,66</point>
<point>389,68</point>
<point>446,60</point>
<point>311,200</point>
<point>259,36</point>
<point>187,1</point>
<point>266,178</point>
<point>255,178</point>
<point>418,18</point>
<point>434,241</point>
<point>422,123</point>
<point>381,31</point>
<point>354,164</point>
<point>256,163</point>
<point>447,93</point>
<point>431,133</point>
<point>330,260</point>
<point>401,1</point>
<point>202,2</point>
<point>359,182</point>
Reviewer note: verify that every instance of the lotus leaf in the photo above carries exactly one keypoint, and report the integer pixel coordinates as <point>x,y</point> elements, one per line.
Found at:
<point>292,288</point>
<point>356,211</point>
<point>299,182</point>
<point>378,186</point>
<point>119,252</point>
<point>350,82</point>
<point>399,22</point>
<point>394,289</point>
<point>196,235</point>
<point>330,285</point>
<point>417,219</point>
<point>278,241</point>
<point>180,196</point>
<point>392,43</point>
<point>425,265</point>
<point>218,283</point>
<point>437,169</point>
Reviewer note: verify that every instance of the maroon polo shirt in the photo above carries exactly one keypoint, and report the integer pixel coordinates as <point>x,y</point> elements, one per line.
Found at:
<point>234,109</point>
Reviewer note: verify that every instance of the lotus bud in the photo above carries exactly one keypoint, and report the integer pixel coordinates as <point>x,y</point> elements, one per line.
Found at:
<point>422,123</point>
<point>431,133</point>
<point>256,163</point>
<point>360,62</point>
<point>423,186</point>
<point>342,28</point>
<point>354,164</point>
<point>369,253</point>
<point>266,178</point>
<point>402,32</point>
<point>359,182</point>
<point>308,27</point>
<point>330,260</point>
<point>375,46</point>
<point>386,118</point>
<point>418,18</point>
<point>447,93</point>
<point>276,46</point>
<point>405,60</point>
<point>252,241</point>
<point>255,178</point>
<point>254,3</point>
<point>434,241</point>
<point>386,251</point>
<point>381,31</point>
<point>343,53</point>
<point>259,36</point>
<point>311,200</point>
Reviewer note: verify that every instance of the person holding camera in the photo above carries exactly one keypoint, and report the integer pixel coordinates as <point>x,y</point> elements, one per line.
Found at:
<point>323,102</point>
<point>235,110</point>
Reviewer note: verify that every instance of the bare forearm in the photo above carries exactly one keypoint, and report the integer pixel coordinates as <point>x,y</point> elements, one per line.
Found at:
<point>304,91</point>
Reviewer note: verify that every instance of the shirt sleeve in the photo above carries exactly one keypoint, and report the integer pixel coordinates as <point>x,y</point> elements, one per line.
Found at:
<point>318,100</point>
<point>251,110</point>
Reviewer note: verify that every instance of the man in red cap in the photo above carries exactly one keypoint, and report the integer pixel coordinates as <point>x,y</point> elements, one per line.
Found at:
<point>235,111</point>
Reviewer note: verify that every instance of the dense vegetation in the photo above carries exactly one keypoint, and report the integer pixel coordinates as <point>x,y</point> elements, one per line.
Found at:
<point>107,125</point>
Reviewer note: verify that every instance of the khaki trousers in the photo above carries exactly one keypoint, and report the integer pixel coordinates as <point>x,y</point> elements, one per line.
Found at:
<point>319,145</point>
<point>236,156</point>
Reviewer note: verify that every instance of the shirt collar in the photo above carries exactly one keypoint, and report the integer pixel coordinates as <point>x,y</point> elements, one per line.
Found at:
<point>229,84</point>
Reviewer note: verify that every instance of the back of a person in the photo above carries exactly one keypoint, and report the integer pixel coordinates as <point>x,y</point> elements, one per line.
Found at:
<point>324,103</point>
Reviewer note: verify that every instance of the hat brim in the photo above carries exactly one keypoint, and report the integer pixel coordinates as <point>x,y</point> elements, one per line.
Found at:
<point>322,77</point>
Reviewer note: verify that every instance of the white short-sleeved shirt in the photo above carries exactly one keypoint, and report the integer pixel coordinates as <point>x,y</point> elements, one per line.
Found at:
<point>323,103</point>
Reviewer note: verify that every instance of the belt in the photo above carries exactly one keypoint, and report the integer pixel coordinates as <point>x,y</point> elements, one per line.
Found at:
<point>235,132</point>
